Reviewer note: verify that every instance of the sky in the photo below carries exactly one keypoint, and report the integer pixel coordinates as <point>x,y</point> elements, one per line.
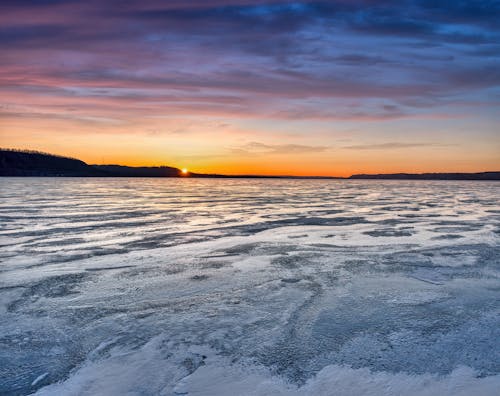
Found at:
<point>255,87</point>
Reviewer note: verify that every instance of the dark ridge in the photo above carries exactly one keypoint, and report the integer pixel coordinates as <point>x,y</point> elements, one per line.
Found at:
<point>35,163</point>
<point>432,176</point>
<point>129,171</point>
<point>26,151</point>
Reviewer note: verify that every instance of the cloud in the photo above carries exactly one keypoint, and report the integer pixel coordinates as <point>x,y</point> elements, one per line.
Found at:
<point>394,146</point>
<point>336,60</point>
<point>258,148</point>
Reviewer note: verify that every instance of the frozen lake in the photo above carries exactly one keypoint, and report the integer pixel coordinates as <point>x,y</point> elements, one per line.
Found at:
<point>249,287</point>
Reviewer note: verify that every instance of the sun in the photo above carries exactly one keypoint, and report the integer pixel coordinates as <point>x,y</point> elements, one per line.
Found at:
<point>184,171</point>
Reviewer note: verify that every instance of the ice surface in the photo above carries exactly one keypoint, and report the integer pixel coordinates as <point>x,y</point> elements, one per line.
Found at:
<point>249,287</point>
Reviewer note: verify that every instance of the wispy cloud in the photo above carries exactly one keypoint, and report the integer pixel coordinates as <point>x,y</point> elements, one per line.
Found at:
<point>394,146</point>
<point>257,148</point>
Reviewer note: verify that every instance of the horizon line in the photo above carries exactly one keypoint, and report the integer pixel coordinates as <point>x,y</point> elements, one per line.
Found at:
<point>191,174</point>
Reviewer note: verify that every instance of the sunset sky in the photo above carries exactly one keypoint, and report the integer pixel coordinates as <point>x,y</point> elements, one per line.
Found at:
<point>263,87</point>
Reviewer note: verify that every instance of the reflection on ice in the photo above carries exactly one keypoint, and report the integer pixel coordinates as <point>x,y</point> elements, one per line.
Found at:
<point>287,287</point>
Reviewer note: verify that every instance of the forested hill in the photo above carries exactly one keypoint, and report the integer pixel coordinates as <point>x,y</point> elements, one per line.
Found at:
<point>34,163</point>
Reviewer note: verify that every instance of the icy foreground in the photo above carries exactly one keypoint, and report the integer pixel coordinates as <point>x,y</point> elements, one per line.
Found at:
<point>249,287</point>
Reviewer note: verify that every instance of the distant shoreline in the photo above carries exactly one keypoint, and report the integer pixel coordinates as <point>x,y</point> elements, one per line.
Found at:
<point>23,163</point>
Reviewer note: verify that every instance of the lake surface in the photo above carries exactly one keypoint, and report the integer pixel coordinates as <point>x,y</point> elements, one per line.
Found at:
<point>249,286</point>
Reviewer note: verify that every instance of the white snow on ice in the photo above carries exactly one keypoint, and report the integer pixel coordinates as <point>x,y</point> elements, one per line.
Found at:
<point>249,287</point>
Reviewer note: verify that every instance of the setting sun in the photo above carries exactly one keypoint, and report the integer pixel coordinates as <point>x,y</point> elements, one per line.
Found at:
<point>184,171</point>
